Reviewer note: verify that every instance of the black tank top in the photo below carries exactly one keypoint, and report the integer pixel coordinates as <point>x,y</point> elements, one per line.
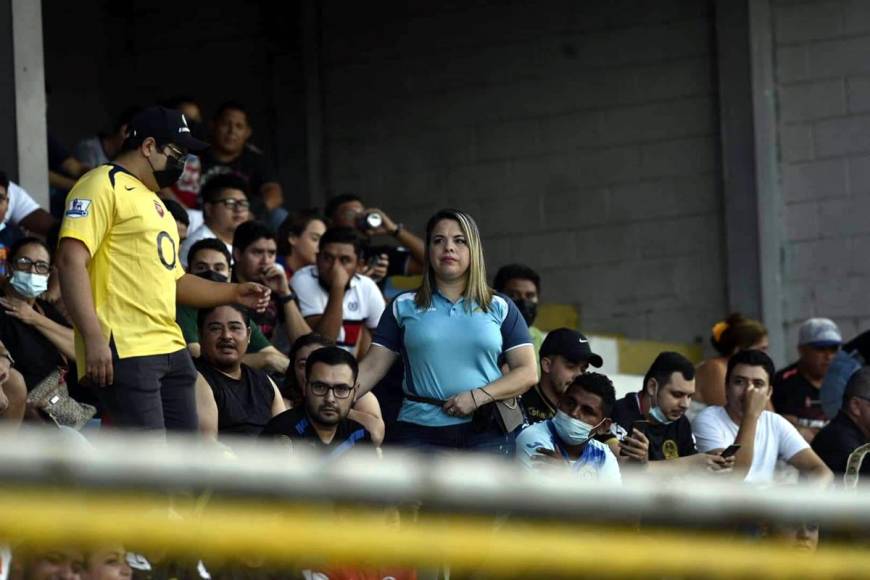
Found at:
<point>245,405</point>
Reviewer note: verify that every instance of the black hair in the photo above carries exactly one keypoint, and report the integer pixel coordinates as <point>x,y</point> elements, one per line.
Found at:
<point>598,384</point>
<point>125,117</point>
<point>294,225</point>
<point>290,389</point>
<point>209,244</point>
<point>858,385</point>
<point>231,106</point>
<point>175,101</point>
<point>337,201</point>
<point>4,181</point>
<point>212,188</point>
<point>27,241</point>
<point>665,365</point>
<point>515,272</point>
<point>343,236</point>
<point>178,212</point>
<point>206,312</point>
<point>753,358</point>
<point>738,332</point>
<point>332,356</point>
<point>249,232</point>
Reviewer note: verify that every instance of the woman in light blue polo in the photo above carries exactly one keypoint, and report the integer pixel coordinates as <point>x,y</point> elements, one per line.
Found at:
<point>451,334</point>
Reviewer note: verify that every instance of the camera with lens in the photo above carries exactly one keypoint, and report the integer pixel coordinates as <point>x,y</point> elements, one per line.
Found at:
<point>368,221</point>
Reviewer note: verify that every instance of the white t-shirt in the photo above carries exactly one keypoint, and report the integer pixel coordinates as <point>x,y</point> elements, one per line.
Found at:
<point>597,461</point>
<point>775,438</point>
<point>203,232</point>
<point>21,204</point>
<point>363,304</point>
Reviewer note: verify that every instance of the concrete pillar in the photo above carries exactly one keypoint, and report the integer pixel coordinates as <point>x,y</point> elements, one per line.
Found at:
<point>23,152</point>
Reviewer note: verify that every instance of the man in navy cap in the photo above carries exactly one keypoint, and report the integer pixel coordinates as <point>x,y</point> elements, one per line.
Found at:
<point>565,354</point>
<point>120,277</point>
<point>796,387</point>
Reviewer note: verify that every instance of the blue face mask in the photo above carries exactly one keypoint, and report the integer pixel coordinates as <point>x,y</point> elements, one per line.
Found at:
<point>656,412</point>
<point>572,431</point>
<point>28,284</point>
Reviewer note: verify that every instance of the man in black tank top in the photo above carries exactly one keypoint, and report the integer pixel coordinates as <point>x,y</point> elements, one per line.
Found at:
<point>321,421</point>
<point>246,398</point>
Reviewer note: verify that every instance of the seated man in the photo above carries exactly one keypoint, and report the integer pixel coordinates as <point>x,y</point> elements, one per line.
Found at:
<point>522,285</point>
<point>565,354</point>
<point>322,421</point>
<point>255,250</point>
<point>225,207</point>
<point>651,425</point>
<point>337,302</point>
<point>763,436</point>
<point>242,400</point>
<point>568,438</point>
<point>102,148</point>
<point>796,388</point>
<point>9,233</point>
<point>24,212</point>
<point>211,260</point>
<point>850,428</point>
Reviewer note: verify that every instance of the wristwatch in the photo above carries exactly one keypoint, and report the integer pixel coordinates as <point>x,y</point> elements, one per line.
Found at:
<point>282,300</point>
<point>399,227</point>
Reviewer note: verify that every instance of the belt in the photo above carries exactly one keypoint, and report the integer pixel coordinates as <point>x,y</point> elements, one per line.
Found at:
<point>426,400</point>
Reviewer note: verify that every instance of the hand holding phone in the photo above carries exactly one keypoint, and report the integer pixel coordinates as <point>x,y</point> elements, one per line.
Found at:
<point>730,450</point>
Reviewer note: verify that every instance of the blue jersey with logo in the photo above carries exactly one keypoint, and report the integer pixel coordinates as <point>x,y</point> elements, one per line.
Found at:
<point>596,462</point>
<point>448,348</point>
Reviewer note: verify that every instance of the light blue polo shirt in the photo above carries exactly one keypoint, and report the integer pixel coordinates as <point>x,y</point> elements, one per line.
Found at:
<point>448,349</point>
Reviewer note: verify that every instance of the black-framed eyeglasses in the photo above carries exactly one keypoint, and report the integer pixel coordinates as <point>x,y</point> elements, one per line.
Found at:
<point>340,391</point>
<point>234,204</point>
<point>28,265</point>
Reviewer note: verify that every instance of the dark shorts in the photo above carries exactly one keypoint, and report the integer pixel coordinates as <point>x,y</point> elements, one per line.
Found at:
<point>152,392</point>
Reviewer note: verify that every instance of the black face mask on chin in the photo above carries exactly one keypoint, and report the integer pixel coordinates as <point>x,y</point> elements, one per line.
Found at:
<point>213,276</point>
<point>528,309</point>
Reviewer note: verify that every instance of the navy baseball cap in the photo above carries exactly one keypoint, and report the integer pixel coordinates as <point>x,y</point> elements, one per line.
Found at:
<point>165,126</point>
<point>570,344</point>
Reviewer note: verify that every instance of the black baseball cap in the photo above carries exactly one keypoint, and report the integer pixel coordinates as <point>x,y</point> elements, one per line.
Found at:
<point>165,126</point>
<point>570,344</point>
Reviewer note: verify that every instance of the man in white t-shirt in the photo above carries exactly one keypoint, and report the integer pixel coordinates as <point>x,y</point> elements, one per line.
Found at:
<point>24,212</point>
<point>567,441</point>
<point>337,302</point>
<point>763,436</point>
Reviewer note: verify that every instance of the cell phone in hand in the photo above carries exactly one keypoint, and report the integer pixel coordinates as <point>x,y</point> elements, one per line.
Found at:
<point>730,450</point>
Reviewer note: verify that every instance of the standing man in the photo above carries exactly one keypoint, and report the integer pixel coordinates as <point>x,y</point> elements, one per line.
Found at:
<point>797,387</point>
<point>120,277</point>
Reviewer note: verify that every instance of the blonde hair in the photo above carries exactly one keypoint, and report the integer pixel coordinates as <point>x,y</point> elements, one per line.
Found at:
<point>477,291</point>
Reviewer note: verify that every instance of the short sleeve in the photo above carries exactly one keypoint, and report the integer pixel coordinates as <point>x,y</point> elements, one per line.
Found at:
<point>529,441</point>
<point>21,204</point>
<point>308,293</point>
<point>375,303</point>
<point>791,442</point>
<point>708,432</point>
<point>258,340</point>
<point>388,334</point>
<point>514,331</point>
<point>89,210</point>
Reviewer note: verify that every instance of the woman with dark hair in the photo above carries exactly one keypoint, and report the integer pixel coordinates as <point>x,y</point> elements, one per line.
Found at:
<point>299,239</point>
<point>728,337</point>
<point>451,334</point>
<point>38,336</point>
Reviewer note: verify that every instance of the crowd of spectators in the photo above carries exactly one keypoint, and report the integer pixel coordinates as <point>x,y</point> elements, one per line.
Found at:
<point>247,320</point>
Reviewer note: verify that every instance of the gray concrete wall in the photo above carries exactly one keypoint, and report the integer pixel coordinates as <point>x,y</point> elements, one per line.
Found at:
<point>823,91</point>
<point>582,135</point>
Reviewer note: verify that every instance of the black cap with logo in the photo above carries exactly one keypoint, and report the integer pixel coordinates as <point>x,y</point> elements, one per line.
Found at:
<point>570,344</point>
<point>165,126</point>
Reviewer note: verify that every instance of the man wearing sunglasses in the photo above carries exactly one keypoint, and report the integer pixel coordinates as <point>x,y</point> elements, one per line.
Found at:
<point>225,206</point>
<point>120,279</point>
<point>321,421</point>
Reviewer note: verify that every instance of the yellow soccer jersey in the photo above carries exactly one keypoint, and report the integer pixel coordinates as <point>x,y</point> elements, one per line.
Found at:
<point>133,241</point>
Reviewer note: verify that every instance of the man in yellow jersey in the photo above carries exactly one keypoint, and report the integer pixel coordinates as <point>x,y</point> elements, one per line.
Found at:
<point>120,277</point>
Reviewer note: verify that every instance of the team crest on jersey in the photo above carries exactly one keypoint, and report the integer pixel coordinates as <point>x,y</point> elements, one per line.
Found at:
<point>353,306</point>
<point>78,208</point>
<point>670,449</point>
<point>159,208</point>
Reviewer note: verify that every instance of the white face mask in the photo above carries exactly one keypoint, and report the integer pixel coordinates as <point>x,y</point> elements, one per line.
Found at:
<point>573,431</point>
<point>656,411</point>
<point>28,284</point>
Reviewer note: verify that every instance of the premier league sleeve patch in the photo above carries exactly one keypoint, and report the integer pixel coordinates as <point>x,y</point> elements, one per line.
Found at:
<point>78,208</point>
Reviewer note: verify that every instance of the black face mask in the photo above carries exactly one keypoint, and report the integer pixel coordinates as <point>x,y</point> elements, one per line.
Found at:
<point>213,276</point>
<point>169,176</point>
<point>528,309</point>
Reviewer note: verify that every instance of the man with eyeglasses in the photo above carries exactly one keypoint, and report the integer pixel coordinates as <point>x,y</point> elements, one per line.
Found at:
<point>120,278</point>
<point>322,422</point>
<point>225,207</point>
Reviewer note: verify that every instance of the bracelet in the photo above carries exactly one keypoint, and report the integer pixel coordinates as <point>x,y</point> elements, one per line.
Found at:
<point>399,227</point>
<point>485,392</point>
<point>476,406</point>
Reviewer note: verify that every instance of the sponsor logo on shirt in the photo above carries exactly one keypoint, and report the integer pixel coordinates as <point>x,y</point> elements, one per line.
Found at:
<point>78,208</point>
<point>159,208</point>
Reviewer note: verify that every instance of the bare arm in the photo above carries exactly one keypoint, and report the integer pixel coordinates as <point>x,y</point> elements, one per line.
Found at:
<point>72,263</point>
<point>39,222</point>
<point>270,358</point>
<point>710,383</point>
<point>206,408</point>
<point>373,367</point>
<point>62,337</point>
<point>522,375</point>
<point>295,323</point>
<point>812,467</point>
<point>198,292</point>
<point>367,412</point>
<point>278,402</point>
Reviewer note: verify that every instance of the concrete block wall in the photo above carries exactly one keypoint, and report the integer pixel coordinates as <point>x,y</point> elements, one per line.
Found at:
<point>581,135</point>
<point>822,75</point>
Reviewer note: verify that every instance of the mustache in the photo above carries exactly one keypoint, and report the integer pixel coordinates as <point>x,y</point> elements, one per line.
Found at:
<point>229,343</point>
